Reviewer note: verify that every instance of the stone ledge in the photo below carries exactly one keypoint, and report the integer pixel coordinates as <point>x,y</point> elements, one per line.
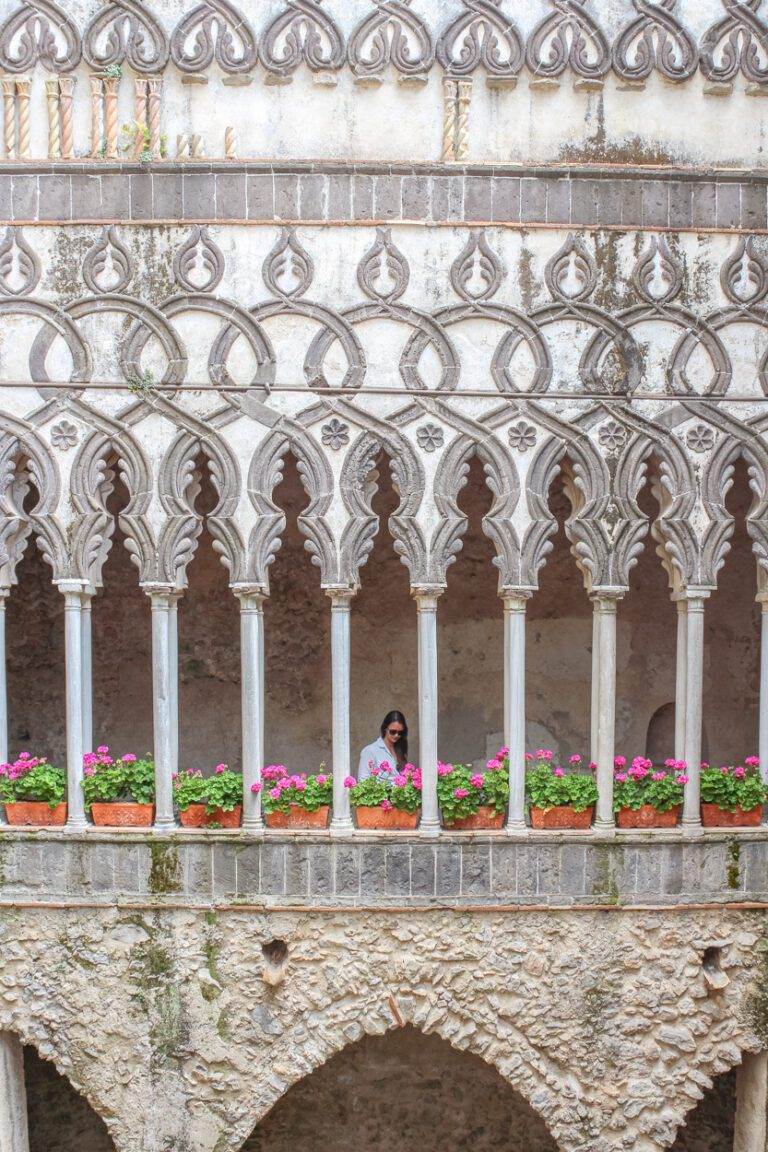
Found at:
<point>561,197</point>
<point>456,871</point>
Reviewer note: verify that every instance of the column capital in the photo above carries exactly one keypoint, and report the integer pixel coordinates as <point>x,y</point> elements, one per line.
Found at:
<point>159,588</point>
<point>255,593</point>
<point>606,599</point>
<point>690,594</point>
<point>72,587</point>
<point>341,593</point>
<point>427,591</point>
<point>515,599</point>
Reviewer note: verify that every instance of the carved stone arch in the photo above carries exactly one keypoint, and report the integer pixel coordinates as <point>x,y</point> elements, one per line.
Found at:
<point>56,322</point>
<point>569,451</point>
<point>716,483</point>
<point>179,485</point>
<point>264,475</point>
<point>91,483</point>
<point>358,485</point>
<point>15,525</point>
<point>44,474</point>
<point>502,480</point>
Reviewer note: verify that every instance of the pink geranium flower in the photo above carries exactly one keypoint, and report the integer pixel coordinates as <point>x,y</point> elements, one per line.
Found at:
<point>349,781</point>
<point>621,777</point>
<point>681,779</point>
<point>575,759</point>
<point>321,778</point>
<point>739,772</point>
<point>658,776</point>
<point>619,761</point>
<point>477,780</point>
<point>752,761</point>
<point>558,772</point>
<point>387,805</point>
<point>460,793</point>
<point>255,787</point>
<point>274,793</point>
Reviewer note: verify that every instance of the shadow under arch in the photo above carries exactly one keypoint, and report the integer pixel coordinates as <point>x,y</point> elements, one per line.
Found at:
<point>404,1090</point>
<point>709,1126</point>
<point>60,1119</point>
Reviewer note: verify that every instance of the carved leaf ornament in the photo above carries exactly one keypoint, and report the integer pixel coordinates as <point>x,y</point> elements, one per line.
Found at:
<point>19,265</point>
<point>107,265</point>
<point>481,35</point>
<point>39,31</point>
<point>198,265</point>
<point>214,30</point>
<point>126,30</point>
<point>391,34</point>
<point>477,272</point>
<point>737,42</point>
<point>569,36</point>
<point>303,32</point>
<point>744,276</point>
<point>655,39</point>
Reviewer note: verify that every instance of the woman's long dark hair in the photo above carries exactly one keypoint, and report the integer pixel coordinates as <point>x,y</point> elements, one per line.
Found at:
<point>401,745</point>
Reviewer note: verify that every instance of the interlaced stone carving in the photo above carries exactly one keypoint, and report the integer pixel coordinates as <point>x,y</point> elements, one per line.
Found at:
<point>302,32</point>
<point>744,275</point>
<point>39,31</point>
<point>126,30</point>
<point>658,275</point>
<point>107,265</point>
<point>198,265</point>
<point>477,272</point>
<point>571,274</point>
<point>64,435</point>
<point>569,36</point>
<point>19,265</point>
<point>481,35</point>
<point>214,30</point>
<point>392,34</point>
<point>383,272</point>
<point>288,269</point>
<point>655,39</point>
<point>737,42</point>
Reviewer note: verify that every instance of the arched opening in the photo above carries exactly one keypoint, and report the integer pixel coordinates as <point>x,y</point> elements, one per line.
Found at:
<point>732,639</point>
<point>121,643</point>
<point>297,643</point>
<point>709,1127</point>
<point>405,1092</point>
<point>559,646</point>
<point>209,649</point>
<point>471,637</point>
<point>35,655</point>
<point>59,1118</point>
<point>384,655</point>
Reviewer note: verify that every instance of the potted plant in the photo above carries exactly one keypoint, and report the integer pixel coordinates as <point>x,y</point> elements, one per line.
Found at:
<point>209,801</point>
<point>472,800</point>
<point>648,797</point>
<point>381,802</point>
<point>296,801</point>
<point>733,796</point>
<point>33,791</point>
<point>119,793</point>
<point>559,797</point>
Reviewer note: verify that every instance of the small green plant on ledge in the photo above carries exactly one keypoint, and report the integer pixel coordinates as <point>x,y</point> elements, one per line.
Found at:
<point>141,384</point>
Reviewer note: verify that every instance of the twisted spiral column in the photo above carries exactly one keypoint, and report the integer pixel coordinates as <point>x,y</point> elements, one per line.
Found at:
<point>462,122</point>
<point>139,114</point>
<point>52,101</point>
<point>23,87</point>
<point>9,116</point>
<point>66,90</point>
<point>450,90</point>
<point>110,117</point>
<point>155,105</point>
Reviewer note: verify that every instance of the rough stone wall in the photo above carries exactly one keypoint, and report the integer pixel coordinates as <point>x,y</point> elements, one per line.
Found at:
<point>184,1028</point>
<point>402,1091</point>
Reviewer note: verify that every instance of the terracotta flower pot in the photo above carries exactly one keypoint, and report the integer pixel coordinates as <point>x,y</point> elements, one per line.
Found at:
<point>564,816</point>
<point>299,818</point>
<point>647,817</point>
<point>36,812</point>
<point>392,819</point>
<point>714,817</point>
<point>195,816</point>
<point>484,818</point>
<point>123,815</point>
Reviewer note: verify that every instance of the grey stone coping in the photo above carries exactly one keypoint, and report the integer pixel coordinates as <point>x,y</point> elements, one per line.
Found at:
<point>596,197</point>
<point>314,870</point>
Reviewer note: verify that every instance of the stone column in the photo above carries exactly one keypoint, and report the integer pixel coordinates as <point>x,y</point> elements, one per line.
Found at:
<point>73,592</point>
<point>87,669</point>
<point>3,683</point>
<point>681,667</point>
<point>605,601</point>
<point>514,704</point>
<point>426,611</point>
<point>693,599</point>
<point>252,695</point>
<point>762,742</point>
<point>14,1135</point>
<point>341,604</point>
<point>163,599</point>
<point>173,648</point>
<point>749,1133</point>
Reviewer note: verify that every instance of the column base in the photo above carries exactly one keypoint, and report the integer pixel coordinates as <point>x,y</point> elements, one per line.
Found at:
<point>78,824</point>
<point>429,828</point>
<point>692,826</point>
<point>253,827</point>
<point>166,825</point>
<point>516,828</point>
<point>604,827</point>
<point>341,826</point>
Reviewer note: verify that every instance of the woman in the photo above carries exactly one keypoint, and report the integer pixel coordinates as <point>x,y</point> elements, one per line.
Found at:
<point>390,752</point>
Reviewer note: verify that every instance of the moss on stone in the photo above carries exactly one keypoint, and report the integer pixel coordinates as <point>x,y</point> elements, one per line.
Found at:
<point>606,885</point>
<point>732,871</point>
<point>756,1005</point>
<point>165,870</point>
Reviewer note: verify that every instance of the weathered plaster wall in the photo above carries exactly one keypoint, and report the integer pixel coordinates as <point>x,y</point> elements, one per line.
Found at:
<point>184,1028</point>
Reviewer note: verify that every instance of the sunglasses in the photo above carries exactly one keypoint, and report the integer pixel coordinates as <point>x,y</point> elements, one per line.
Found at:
<point>395,731</point>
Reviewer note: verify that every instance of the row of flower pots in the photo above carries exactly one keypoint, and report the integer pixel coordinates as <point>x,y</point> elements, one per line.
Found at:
<point>119,792</point>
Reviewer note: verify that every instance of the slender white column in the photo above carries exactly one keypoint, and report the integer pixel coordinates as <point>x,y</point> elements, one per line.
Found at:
<point>604,711</point>
<point>749,1134</point>
<point>595,688</point>
<point>681,678</point>
<point>514,705</point>
<point>694,687</point>
<point>14,1134</point>
<point>173,648</point>
<point>3,684</point>
<point>252,707</point>
<point>72,591</point>
<point>762,748</point>
<point>87,670</point>
<point>162,598</point>
<point>426,613</point>
<point>341,604</point>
